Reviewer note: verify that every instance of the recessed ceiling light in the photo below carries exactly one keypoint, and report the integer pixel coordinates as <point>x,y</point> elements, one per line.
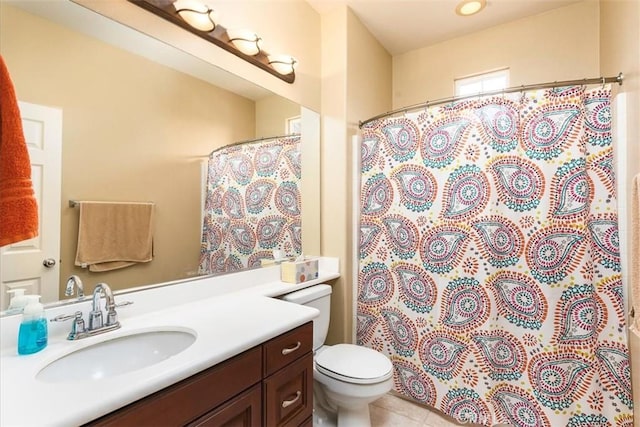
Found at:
<point>470,7</point>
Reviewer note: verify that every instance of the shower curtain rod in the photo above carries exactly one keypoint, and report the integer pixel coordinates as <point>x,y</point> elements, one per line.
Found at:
<point>249,141</point>
<point>596,80</point>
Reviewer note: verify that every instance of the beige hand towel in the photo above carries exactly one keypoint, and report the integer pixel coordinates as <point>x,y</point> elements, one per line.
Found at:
<point>634,246</point>
<point>114,235</point>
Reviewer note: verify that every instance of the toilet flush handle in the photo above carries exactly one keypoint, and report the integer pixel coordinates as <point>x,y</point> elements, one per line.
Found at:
<point>286,351</point>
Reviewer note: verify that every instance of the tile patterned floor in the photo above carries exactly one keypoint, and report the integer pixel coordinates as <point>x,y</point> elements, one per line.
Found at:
<point>394,411</point>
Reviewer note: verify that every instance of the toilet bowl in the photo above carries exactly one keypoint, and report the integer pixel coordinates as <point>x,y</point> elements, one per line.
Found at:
<point>351,377</point>
<point>347,377</point>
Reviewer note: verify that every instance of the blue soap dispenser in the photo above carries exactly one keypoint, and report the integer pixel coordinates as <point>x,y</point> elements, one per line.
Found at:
<point>33,334</point>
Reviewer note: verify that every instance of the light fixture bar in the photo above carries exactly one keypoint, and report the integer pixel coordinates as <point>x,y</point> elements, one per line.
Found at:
<point>218,36</point>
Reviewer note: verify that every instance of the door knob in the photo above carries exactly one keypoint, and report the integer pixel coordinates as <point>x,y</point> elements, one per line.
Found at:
<point>49,262</point>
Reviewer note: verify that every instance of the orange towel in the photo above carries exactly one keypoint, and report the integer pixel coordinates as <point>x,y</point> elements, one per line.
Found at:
<point>18,206</point>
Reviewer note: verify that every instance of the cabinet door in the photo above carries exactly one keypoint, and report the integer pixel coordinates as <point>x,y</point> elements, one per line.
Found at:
<point>191,398</point>
<point>288,394</point>
<point>243,411</point>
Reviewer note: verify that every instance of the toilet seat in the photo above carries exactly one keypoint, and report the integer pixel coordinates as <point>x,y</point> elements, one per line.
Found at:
<point>354,364</point>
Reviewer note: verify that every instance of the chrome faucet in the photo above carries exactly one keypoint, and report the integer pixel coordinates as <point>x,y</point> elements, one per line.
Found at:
<point>96,324</point>
<point>74,281</point>
<point>95,315</point>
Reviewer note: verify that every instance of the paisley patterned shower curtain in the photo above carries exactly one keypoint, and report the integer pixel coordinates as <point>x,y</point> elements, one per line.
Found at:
<point>252,205</point>
<point>489,259</point>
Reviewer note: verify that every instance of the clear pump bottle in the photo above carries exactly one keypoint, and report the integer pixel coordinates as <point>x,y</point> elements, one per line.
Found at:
<point>33,333</point>
<point>18,300</point>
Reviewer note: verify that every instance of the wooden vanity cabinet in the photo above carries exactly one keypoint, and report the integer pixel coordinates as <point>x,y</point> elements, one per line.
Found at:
<point>269,385</point>
<point>244,410</point>
<point>287,387</point>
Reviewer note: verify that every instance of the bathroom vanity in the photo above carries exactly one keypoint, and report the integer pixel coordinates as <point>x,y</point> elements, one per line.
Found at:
<point>270,385</point>
<point>247,359</point>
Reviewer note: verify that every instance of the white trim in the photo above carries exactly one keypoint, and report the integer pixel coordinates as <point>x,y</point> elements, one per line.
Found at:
<point>204,181</point>
<point>480,83</point>
<point>620,153</point>
<point>355,209</point>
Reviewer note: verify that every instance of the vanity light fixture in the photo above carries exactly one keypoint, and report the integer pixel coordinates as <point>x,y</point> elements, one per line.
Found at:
<point>284,64</point>
<point>201,20</point>
<point>199,15</point>
<point>470,7</point>
<point>246,41</point>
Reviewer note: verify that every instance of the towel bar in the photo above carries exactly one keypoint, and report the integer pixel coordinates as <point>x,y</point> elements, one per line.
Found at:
<point>76,203</point>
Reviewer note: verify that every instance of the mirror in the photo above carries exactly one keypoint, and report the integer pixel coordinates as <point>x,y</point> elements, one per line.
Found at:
<point>135,129</point>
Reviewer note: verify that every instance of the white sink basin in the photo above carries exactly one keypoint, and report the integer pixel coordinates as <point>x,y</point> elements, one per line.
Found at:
<point>116,356</point>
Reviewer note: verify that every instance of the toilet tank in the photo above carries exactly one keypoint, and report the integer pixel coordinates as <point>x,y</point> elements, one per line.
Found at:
<point>317,296</point>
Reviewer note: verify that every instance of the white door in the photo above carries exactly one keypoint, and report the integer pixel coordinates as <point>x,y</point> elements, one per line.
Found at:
<point>34,264</point>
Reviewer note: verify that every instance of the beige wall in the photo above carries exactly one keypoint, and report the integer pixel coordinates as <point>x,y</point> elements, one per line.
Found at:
<point>291,27</point>
<point>560,44</point>
<point>368,93</point>
<point>132,130</point>
<point>334,165</point>
<point>356,82</point>
<point>271,115</point>
<point>620,52</point>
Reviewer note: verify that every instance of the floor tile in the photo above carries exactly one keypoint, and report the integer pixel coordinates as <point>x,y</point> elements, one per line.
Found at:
<point>393,410</point>
<point>402,407</point>
<point>438,419</point>
<point>381,417</point>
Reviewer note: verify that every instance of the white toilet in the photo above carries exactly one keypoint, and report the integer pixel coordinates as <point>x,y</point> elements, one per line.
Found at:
<point>346,377</point>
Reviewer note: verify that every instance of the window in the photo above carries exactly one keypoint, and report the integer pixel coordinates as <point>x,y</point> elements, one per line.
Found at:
<point>293,125</point>
<point>480,83</point>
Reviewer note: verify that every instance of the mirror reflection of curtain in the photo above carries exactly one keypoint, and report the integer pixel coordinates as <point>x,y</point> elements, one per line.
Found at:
<point>252,206</point>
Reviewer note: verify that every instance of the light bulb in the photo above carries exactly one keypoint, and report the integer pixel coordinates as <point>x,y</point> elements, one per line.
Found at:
<point>198,15</point>
<point>283,64</point>
<point>246,41</point>
<point>470,7</point>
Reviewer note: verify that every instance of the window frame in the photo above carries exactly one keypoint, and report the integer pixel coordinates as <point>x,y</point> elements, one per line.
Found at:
<point>482,79</point>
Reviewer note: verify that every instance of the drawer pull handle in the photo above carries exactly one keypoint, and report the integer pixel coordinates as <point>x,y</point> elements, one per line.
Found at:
<point>286,403</point>
<point>286,351</point>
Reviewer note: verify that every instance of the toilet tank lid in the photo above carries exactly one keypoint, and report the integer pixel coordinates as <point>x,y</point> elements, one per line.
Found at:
<point>307,294</point>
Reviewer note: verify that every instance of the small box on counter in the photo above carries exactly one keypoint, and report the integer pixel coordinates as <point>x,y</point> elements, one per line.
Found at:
<point>299,271</point>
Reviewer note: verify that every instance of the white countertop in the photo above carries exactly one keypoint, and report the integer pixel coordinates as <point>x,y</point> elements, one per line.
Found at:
<point>226,324</point>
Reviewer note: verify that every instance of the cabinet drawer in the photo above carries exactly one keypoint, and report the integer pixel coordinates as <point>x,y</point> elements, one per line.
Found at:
<point>288,347</point>
<point>243,411</point>
<point>288,394</point>
<point>192,397</point>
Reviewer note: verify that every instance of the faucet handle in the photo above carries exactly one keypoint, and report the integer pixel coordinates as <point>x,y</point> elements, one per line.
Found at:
<point>112,315</point>
<point>124,303</point>
<point>77,327</point>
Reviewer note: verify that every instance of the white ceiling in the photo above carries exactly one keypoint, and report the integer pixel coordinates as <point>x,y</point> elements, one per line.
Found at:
<point>404,25</point>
